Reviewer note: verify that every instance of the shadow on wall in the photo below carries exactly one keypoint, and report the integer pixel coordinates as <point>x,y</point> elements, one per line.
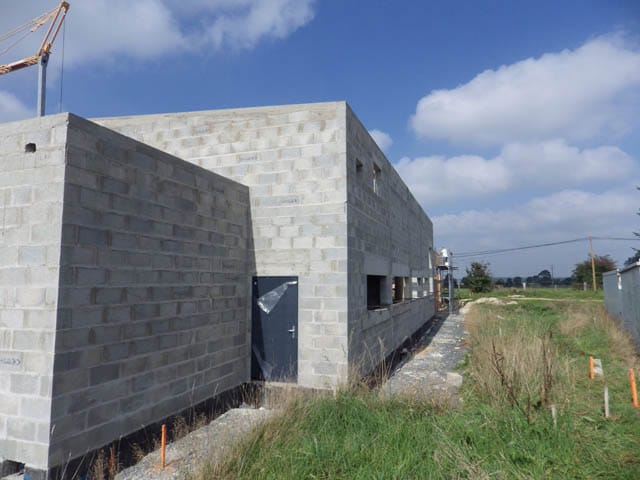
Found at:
<point>154,291</point>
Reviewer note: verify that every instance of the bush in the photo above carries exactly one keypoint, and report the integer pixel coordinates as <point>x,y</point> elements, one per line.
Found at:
<point>478,278</point>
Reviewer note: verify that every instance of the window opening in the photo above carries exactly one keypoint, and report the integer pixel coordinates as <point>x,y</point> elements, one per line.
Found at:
<point>419,287</point>
<point>377,180</point>
<point>374,291</point>
<point>397,289</point>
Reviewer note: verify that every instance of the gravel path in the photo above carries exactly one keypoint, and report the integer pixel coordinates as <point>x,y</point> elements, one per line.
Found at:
<point>431,372</point>
<point>211,442</point>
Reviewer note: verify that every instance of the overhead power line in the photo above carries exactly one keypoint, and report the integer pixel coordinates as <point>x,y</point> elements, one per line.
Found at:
<point>626,239</point>
<point>540,245</point>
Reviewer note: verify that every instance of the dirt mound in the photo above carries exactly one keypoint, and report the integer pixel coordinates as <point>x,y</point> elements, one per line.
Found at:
<point>489,300</point>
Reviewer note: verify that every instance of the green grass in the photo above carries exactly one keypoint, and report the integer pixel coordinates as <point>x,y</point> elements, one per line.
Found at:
<point>361,435</point>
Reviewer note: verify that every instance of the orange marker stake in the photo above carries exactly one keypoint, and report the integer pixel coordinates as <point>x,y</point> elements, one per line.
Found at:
<point>591,368</point>
<point>634,392</point>
<point>163,445</point>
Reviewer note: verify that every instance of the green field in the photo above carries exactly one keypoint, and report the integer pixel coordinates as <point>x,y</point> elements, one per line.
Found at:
<point>522,359</point>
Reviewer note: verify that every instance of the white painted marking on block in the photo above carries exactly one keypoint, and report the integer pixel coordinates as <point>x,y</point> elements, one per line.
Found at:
<point>597,367</point>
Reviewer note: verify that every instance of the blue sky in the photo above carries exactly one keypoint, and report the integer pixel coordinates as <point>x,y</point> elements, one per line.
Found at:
<point>513,122</point>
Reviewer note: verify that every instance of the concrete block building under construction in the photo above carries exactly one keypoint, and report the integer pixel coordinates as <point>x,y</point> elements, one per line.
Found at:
<point>150,263</point>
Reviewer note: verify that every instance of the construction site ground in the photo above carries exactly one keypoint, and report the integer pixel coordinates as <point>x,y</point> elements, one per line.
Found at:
<point>430,370</point>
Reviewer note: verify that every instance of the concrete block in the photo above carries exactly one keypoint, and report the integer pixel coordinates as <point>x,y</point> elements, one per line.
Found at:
<point>10,406</point>
<point>21,430</point>
<point>13,276</point>
<point>36,408</point>
<point>103,373</point>
<point>25,384</point>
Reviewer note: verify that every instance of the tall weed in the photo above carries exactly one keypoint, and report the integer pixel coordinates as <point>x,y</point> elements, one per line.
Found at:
<point>513,362</point>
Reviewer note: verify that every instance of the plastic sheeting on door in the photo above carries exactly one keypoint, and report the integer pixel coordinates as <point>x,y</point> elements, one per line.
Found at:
<point>269,300</point>
<point>265,366</point>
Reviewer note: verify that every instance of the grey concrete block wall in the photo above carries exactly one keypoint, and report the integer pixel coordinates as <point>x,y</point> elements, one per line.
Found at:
<point>293,158</point>
<point>622,297</point>
<point>125,271</point>
<point>314,218</point>
<point>612,286</point>
<point>154,289</point>
<point>31,187</point>
<point>390,236</point>
<point>136,273</point>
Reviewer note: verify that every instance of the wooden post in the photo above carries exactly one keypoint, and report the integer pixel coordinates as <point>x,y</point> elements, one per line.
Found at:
<point>163,446</point>
<point>606,402</point>
<point>591,368</point>
<point>634,392</point>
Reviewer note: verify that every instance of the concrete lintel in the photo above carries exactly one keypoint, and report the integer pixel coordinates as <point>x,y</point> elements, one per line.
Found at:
<point>400,270</point>
<point>375,265</point>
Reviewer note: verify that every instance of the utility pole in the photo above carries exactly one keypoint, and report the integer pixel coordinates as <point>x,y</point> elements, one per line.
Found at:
<point>593,264</point>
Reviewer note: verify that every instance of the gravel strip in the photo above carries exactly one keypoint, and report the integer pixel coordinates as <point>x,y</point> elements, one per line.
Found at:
<point>431,372</point>
<point>210,442</point>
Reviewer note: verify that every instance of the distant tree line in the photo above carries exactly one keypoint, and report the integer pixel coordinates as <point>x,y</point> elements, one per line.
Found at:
<point>479,279</point>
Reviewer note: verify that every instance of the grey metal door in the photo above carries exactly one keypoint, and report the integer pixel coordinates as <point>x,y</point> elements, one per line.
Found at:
<point>274,343</point>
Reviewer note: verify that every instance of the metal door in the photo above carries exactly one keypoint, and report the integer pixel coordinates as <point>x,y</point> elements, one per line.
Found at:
<point>274,342</point>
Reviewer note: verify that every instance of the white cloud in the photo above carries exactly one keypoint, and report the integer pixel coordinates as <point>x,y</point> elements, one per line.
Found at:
<point>555,163</point>
<point>106,28</point>
<point>383,139</point>
<point>243,24</point>
<point>100,30</point>
<point>561,216</point>
<point>573,94</point>
<point>436,178</point>
<point>11,108</point>
<point>548,164</point>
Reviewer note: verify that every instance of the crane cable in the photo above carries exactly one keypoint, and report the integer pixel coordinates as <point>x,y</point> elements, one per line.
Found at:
<point>33,25</point>
<point>15,43</point>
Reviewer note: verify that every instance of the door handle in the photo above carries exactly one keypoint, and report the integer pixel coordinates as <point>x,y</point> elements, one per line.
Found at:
<point>292,331</point>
